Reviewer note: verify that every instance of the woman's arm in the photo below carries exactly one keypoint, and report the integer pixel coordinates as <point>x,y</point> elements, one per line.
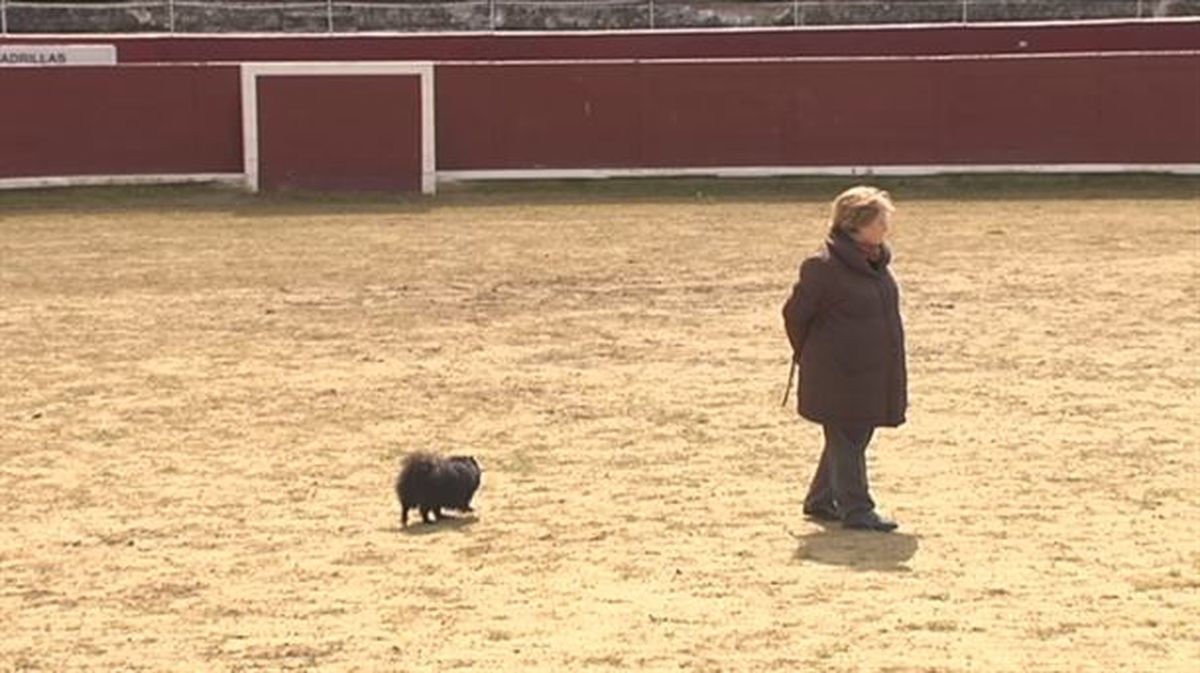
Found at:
<point>805,303</point>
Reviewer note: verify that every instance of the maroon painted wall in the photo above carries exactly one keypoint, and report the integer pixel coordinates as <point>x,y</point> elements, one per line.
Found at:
<point>340,132</point>
<point>954,39</point>
<point>1117,109</point>
<point>176,118</point>
<point>119,121</point>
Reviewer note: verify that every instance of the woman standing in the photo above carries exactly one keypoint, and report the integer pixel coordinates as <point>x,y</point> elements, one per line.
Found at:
<point>843,320</point>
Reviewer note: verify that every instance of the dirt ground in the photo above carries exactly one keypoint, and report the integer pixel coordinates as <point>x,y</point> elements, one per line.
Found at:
<point>203,401</point>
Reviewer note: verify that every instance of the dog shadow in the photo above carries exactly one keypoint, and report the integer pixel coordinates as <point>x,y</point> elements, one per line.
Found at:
<point>860,550</point>
<point>444,525</point>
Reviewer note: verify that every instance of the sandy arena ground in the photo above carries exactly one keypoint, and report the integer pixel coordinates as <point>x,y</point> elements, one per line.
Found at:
<point>203,400</point>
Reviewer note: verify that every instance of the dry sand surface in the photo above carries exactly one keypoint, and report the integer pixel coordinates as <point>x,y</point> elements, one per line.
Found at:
<point>203,401</point>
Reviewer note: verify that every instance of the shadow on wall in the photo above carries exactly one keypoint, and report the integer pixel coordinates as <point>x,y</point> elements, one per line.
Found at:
<point>860,550</point>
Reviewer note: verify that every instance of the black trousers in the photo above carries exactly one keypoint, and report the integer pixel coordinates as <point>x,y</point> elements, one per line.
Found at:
<point>841,478</point>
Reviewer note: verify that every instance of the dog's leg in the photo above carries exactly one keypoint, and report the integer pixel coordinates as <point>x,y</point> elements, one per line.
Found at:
<point>425,514</point>
<point>404,516</point>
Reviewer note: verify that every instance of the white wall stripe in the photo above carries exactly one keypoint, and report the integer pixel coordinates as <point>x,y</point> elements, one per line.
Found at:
<point>799,171</point>
<point>1056,55</point>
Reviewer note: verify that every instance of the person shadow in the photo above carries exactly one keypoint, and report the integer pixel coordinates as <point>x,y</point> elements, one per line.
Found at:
<point>860,550</point>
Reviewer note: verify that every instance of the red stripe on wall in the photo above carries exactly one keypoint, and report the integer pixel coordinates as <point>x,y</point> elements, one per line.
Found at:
<point>950,39</point>
<point>1073,110</point>
<point>120,121</point>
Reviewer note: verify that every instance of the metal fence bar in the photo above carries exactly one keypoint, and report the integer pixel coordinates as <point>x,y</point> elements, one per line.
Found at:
<point>3,17</point>
<point>224,4</point>
<point>90,5</point>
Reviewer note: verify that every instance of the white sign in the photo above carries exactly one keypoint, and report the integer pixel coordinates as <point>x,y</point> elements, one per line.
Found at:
<point>49,55</point>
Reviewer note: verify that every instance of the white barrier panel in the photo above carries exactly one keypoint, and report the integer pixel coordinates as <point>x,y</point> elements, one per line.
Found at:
<point>52,55</point>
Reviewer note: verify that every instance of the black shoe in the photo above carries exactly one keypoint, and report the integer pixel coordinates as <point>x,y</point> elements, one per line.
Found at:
<point>870,521</point>
<point>822,512</point>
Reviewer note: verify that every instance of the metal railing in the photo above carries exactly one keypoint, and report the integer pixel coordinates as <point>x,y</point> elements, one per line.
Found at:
<point>348,16</point>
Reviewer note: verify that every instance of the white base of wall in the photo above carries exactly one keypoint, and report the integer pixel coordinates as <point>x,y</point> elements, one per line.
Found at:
<point>239,179</point>
<point>785,171</point>
<point>236,179</point>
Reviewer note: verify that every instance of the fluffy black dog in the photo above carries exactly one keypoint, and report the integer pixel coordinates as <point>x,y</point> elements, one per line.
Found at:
<point>430,482</point>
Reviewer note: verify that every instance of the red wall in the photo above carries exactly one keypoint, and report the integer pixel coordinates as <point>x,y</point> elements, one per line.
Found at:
<point>1020,111</point>
<point>951,39</point>
<point>186,118</point>
<point>340,133</point>
<point>117,121</point>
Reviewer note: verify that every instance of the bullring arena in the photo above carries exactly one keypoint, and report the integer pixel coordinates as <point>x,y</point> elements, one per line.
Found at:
<point>206,393</point>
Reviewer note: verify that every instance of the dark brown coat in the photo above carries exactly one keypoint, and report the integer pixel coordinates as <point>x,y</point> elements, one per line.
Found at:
<point>843,320</point>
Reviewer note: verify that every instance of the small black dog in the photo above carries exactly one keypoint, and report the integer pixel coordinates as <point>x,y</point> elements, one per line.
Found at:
<point>430,482</point>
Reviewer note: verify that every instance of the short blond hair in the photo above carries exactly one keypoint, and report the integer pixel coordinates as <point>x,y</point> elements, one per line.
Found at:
<point>857,207</point>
